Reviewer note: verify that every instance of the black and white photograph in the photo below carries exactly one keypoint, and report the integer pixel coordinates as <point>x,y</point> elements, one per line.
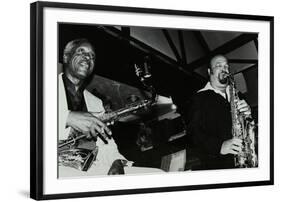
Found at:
<point>135,100</point>
<point>138,100</point>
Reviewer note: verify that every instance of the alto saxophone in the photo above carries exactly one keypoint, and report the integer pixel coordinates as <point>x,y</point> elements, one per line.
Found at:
<point>243,128</point>
<point>107,118</point>
<point>82,159</point>
<point>79,158</point>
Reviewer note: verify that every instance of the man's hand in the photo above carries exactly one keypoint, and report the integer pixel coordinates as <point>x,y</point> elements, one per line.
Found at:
<point>231,146</point>
<point>243,107</point>
<point>86,123</point>
<point>117,167</point>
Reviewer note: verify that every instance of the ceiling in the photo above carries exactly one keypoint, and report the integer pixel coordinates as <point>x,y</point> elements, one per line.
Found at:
<point>179,58</point>
<point>194,48</point>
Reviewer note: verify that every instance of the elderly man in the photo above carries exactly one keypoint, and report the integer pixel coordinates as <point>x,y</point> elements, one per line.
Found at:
<point>79,111</point>
<point>75,103</point>
<point>209,121</point>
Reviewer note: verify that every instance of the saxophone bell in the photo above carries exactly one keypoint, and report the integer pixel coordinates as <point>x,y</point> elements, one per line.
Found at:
<point>243,127</point>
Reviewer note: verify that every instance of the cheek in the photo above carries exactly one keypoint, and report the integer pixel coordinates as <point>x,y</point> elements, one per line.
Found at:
<point>218,72</point>
<point>75,59</point>
<point>73,62</point>
<point>92,65</point>
<point>215,72</point>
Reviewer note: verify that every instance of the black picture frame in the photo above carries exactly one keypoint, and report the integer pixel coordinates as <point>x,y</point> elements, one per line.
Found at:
<point>37,98</point>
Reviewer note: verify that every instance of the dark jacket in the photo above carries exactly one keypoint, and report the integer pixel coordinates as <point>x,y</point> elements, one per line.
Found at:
<point>208,122</point>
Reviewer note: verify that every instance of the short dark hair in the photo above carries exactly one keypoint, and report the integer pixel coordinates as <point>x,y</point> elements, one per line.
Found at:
<point>211,59</point>
<point>215,56</point>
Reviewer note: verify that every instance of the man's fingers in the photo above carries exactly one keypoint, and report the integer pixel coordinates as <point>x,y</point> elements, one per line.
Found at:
<point>238,144</point>
<point>90,125</point>
<point>101,127</point>
<point>233,152</point>
<point>243,107</point>
<point>103,139</point>
<point>104,130</point>
<point>97,129</point>
<point>237,141</point>
<point>100,132</point>
<point>236,148</point>
<point>93,130</point>
<point>94,120</point>
<point>242,103</point>
<point>108,132</point>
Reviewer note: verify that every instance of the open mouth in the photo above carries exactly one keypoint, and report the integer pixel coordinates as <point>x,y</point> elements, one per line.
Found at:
<point>224,74</point>
<point>223,78</point>
<point>84,64</point>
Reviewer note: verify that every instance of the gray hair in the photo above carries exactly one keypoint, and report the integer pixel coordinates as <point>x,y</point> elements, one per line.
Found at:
<point>71,47</point>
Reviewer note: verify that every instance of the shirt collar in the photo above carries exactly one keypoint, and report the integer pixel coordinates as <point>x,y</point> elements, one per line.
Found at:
<point>70,86</point>
<point>208,86</point>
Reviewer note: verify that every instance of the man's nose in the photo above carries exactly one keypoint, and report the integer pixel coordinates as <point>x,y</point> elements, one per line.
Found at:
<point>87,56</point>
<point>226,69</point>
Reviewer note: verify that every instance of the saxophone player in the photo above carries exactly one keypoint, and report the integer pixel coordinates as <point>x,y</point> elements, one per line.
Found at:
<point>75,103</point>
<point>209,120</point>
<point>80,110</point>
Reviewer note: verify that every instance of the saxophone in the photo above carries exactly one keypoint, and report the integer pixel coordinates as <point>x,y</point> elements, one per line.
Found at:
<point>243,128</point>
<point>107,118</point>
<point>81,159</point>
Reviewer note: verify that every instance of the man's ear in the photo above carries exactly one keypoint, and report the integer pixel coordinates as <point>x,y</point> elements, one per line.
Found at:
<point>209,71</point>
<point>65,59</point>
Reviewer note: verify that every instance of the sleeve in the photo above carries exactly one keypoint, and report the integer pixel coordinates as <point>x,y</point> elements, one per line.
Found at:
<point>108,153</point>
<point>196,123</point>
<point>63,130</point>
<point>62,112</point>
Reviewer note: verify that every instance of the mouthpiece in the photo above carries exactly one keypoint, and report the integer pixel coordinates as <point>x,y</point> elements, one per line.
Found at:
<point>226,75</point>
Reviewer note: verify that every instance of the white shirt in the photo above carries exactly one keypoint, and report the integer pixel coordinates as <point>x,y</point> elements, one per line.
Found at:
<point>208,86</point>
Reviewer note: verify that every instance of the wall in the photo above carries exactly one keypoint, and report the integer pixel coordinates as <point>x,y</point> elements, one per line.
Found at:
<point>14,102</point>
